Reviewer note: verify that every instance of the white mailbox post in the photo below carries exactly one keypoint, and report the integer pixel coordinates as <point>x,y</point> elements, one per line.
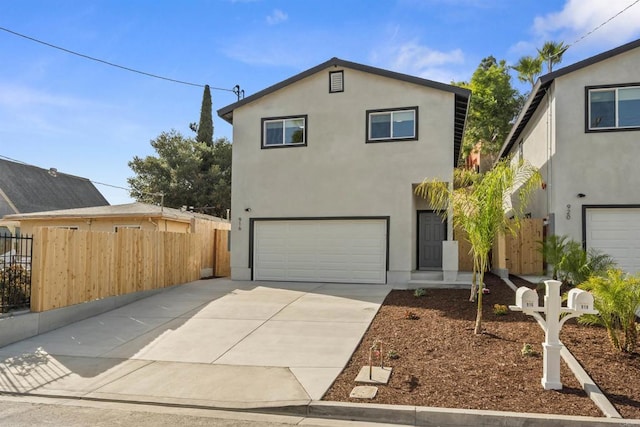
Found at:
<point>579,302</point>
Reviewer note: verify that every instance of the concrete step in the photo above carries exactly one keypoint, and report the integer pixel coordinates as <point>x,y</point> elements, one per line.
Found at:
<point>426,275</point>
<point>437,284</point>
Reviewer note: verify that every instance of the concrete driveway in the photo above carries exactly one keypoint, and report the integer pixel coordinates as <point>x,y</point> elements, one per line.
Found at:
<point>213,343</point>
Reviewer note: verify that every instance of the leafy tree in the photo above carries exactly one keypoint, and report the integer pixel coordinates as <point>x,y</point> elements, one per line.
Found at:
<point>480,209</point>
<point>551,53</point>
<point>493,106</point>
<point>528,69</point>
<point>617,299</point>
<point>177,173</point>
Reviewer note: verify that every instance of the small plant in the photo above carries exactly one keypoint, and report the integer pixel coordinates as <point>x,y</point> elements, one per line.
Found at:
<point>500,310</point>
<point>527,350</point>
<point>617,299</point>
<point>392,354</point>
<point>410,315</point>
<point>420,292</point>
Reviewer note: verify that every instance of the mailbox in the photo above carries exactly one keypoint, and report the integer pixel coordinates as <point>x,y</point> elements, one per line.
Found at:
<point>579,300</point>
<point>526,299</point>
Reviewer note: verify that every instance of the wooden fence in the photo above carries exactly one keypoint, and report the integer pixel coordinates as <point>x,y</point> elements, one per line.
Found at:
<point>215,254</point>
<point>71,266</point>
<point>521,255</point>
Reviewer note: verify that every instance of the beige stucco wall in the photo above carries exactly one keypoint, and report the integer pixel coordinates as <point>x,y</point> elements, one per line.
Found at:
<point>601,165</point>
<point>337,173</point>
<point>105,224</point>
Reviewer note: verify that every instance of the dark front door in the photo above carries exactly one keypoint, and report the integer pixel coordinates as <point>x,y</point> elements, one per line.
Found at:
<point>431,233</point>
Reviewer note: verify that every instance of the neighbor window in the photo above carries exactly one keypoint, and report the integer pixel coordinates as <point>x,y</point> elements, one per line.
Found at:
<point>284,131</point>
<point>614,108</point>
<point>392,124</point>
<point>120,227</point>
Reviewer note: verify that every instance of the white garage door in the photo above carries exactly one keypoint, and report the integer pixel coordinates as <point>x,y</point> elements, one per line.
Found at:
<point>616,232</point>
<point>344,251</point>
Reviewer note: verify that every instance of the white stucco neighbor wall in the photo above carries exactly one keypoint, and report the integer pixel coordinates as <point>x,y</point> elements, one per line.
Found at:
<point>337,174</point>
<point>600,165</point>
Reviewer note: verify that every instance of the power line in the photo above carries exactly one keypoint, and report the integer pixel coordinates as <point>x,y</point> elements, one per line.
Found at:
<point>584,36</point>
<point>102,61</point>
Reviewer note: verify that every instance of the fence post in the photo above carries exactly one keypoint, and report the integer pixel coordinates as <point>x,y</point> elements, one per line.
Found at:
<point>37,261</point>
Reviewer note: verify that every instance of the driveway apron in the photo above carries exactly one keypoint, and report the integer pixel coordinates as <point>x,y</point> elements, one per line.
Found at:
<point>218,343</point>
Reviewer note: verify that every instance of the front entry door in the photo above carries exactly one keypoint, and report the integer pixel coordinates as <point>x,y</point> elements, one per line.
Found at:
<point>431,233</point>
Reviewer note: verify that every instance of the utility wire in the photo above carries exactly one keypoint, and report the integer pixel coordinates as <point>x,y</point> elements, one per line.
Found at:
<point>584,36</point>
<point>144,73</point>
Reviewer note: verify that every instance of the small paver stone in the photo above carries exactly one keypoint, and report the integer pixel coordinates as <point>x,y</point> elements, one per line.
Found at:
<point>364,392</point>
<point>378,375</point>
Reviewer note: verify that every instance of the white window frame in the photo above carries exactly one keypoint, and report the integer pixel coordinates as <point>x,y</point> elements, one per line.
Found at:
<point>615,90</point>
<point>284,121</point>
<point>392,112</point>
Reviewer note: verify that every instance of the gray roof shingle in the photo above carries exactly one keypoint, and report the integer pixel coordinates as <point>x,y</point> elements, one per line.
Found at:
<point>25,188</point>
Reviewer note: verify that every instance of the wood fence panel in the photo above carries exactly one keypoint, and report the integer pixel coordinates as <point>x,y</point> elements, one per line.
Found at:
<point>465,257</point>
<point>72,266</point>
<point>222,265</point>
<point>522,255</point>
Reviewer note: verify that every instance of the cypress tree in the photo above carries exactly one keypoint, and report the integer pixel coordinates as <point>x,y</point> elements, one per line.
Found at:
<point>205,128</point>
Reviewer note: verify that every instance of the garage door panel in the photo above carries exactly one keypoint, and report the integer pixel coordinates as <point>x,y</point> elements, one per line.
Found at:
<point>616,232</point>
<point>348,251</point>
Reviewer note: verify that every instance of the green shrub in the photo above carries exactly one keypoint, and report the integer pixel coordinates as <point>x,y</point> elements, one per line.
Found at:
<point>14,283</point>
<point>617,299</point>
<point>420,292</point>
<point>500,310</point>
<point>528,351</point>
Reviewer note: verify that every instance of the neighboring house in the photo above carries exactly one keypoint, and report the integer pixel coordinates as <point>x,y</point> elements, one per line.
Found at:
<point>581,127</point>
<point>25,188</point>
<point>111,218</point>
<point>324,169</point>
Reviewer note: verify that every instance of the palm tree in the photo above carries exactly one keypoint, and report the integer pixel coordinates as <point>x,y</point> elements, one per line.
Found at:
<point>528,68</point>
<point>551,53</point>
<point>480,209</point>
<point>617,298</point>
<point>553,251</point>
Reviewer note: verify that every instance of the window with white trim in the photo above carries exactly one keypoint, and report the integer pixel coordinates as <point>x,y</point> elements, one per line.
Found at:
<point>284,131</point>
<point>392,124</point>
<point>613,108</point>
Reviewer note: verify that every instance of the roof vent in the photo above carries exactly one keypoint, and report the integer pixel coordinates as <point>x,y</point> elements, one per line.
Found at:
<point>336,81</point>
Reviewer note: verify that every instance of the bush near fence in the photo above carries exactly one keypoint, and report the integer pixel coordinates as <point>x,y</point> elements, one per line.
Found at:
<point>72,266</point>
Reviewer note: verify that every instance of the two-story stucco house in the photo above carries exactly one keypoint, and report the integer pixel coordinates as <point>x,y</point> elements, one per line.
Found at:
<point>581,127</point>
<point>324,169</point>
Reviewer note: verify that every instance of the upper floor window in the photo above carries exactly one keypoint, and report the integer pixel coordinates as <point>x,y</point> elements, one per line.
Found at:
<point>392,124</point>
<point>284,131</point>
<point>614,108</point>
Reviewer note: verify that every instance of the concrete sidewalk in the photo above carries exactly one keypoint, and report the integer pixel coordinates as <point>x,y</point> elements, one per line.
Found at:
<point>214,343</point>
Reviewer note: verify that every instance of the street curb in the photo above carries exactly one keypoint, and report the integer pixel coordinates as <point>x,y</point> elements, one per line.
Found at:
<point>429,416</point>
<point>381,413</point>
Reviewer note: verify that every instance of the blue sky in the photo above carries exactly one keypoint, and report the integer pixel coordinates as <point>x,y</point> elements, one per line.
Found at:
<point>88,119</point>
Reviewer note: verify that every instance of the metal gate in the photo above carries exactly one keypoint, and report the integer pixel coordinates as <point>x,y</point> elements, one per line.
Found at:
<point>15,273</point>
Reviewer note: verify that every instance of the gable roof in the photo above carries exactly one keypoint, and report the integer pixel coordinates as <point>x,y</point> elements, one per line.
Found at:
<point>542,84</point>
<point>26,188</point>
<point>461,95</point>
<point>129,210</point>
